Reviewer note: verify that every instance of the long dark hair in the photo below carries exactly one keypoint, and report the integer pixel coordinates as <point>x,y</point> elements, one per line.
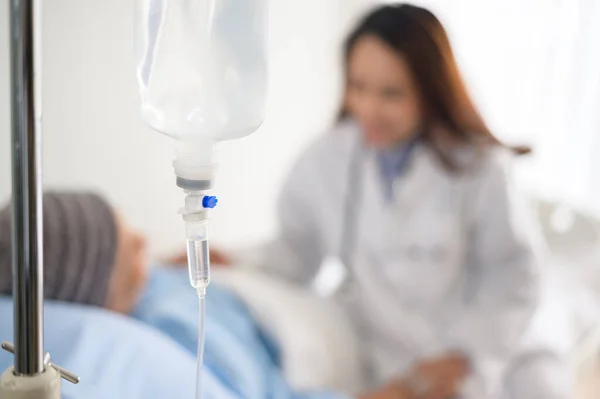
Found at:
<point>450,117</point>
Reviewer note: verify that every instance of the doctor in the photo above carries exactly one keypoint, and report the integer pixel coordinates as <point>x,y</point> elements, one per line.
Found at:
<point>411,190</point>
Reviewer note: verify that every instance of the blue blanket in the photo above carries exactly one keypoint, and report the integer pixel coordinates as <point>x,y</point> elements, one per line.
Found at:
<point>120,358</point>
<point>116,357</point>
<point>236,350</point>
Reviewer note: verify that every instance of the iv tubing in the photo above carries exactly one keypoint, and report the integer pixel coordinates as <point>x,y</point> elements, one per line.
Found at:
<point>198,264</point>
<point>201,337</point>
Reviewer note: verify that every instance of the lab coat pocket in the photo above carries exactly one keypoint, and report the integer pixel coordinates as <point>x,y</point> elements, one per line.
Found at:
<point>422,260</point>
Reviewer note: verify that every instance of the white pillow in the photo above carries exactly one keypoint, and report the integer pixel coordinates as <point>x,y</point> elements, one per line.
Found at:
<point>319,348</point>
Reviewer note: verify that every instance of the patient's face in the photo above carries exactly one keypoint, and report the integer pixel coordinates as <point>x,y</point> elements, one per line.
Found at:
<point>130,271</point>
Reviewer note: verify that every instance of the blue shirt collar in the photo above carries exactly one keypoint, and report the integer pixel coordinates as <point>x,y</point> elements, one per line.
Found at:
<point>393,162</point>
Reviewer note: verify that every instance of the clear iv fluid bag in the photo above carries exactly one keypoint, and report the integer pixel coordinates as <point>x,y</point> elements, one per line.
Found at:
<point>202,66</point>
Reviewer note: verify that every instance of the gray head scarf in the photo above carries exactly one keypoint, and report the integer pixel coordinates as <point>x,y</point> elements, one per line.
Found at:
<point>80,244</point>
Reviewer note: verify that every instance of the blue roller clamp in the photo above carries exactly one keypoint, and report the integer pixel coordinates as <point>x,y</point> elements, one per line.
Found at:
<point>210,201</point>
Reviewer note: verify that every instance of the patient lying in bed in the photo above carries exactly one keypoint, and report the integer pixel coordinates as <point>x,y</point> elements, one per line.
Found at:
<point>93,258</point>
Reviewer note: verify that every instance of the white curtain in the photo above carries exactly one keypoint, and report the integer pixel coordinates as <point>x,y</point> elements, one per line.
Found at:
<point>533,67</point>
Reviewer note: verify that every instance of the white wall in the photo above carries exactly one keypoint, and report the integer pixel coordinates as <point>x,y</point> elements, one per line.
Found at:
<point>532,66</point>
<point>94,137</point>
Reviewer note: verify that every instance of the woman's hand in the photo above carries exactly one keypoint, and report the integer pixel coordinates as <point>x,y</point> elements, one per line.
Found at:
<point>439,378</point>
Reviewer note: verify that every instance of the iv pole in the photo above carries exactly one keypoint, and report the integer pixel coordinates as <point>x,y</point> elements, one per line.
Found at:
<point>33,375</point>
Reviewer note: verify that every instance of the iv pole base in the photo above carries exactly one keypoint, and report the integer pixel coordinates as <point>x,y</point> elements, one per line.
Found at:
<point>42,386</point>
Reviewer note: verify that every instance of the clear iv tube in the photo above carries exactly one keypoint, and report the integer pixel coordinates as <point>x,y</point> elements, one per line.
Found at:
<point>201,336</point>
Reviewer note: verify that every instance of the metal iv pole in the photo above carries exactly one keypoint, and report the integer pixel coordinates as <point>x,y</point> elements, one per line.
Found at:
<point>33,375</point>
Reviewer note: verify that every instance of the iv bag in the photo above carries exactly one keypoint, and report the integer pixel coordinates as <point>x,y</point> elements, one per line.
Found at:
<point>202,66</point>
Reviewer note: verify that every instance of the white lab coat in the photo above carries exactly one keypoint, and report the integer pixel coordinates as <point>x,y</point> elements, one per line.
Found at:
<point>447,265</point>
